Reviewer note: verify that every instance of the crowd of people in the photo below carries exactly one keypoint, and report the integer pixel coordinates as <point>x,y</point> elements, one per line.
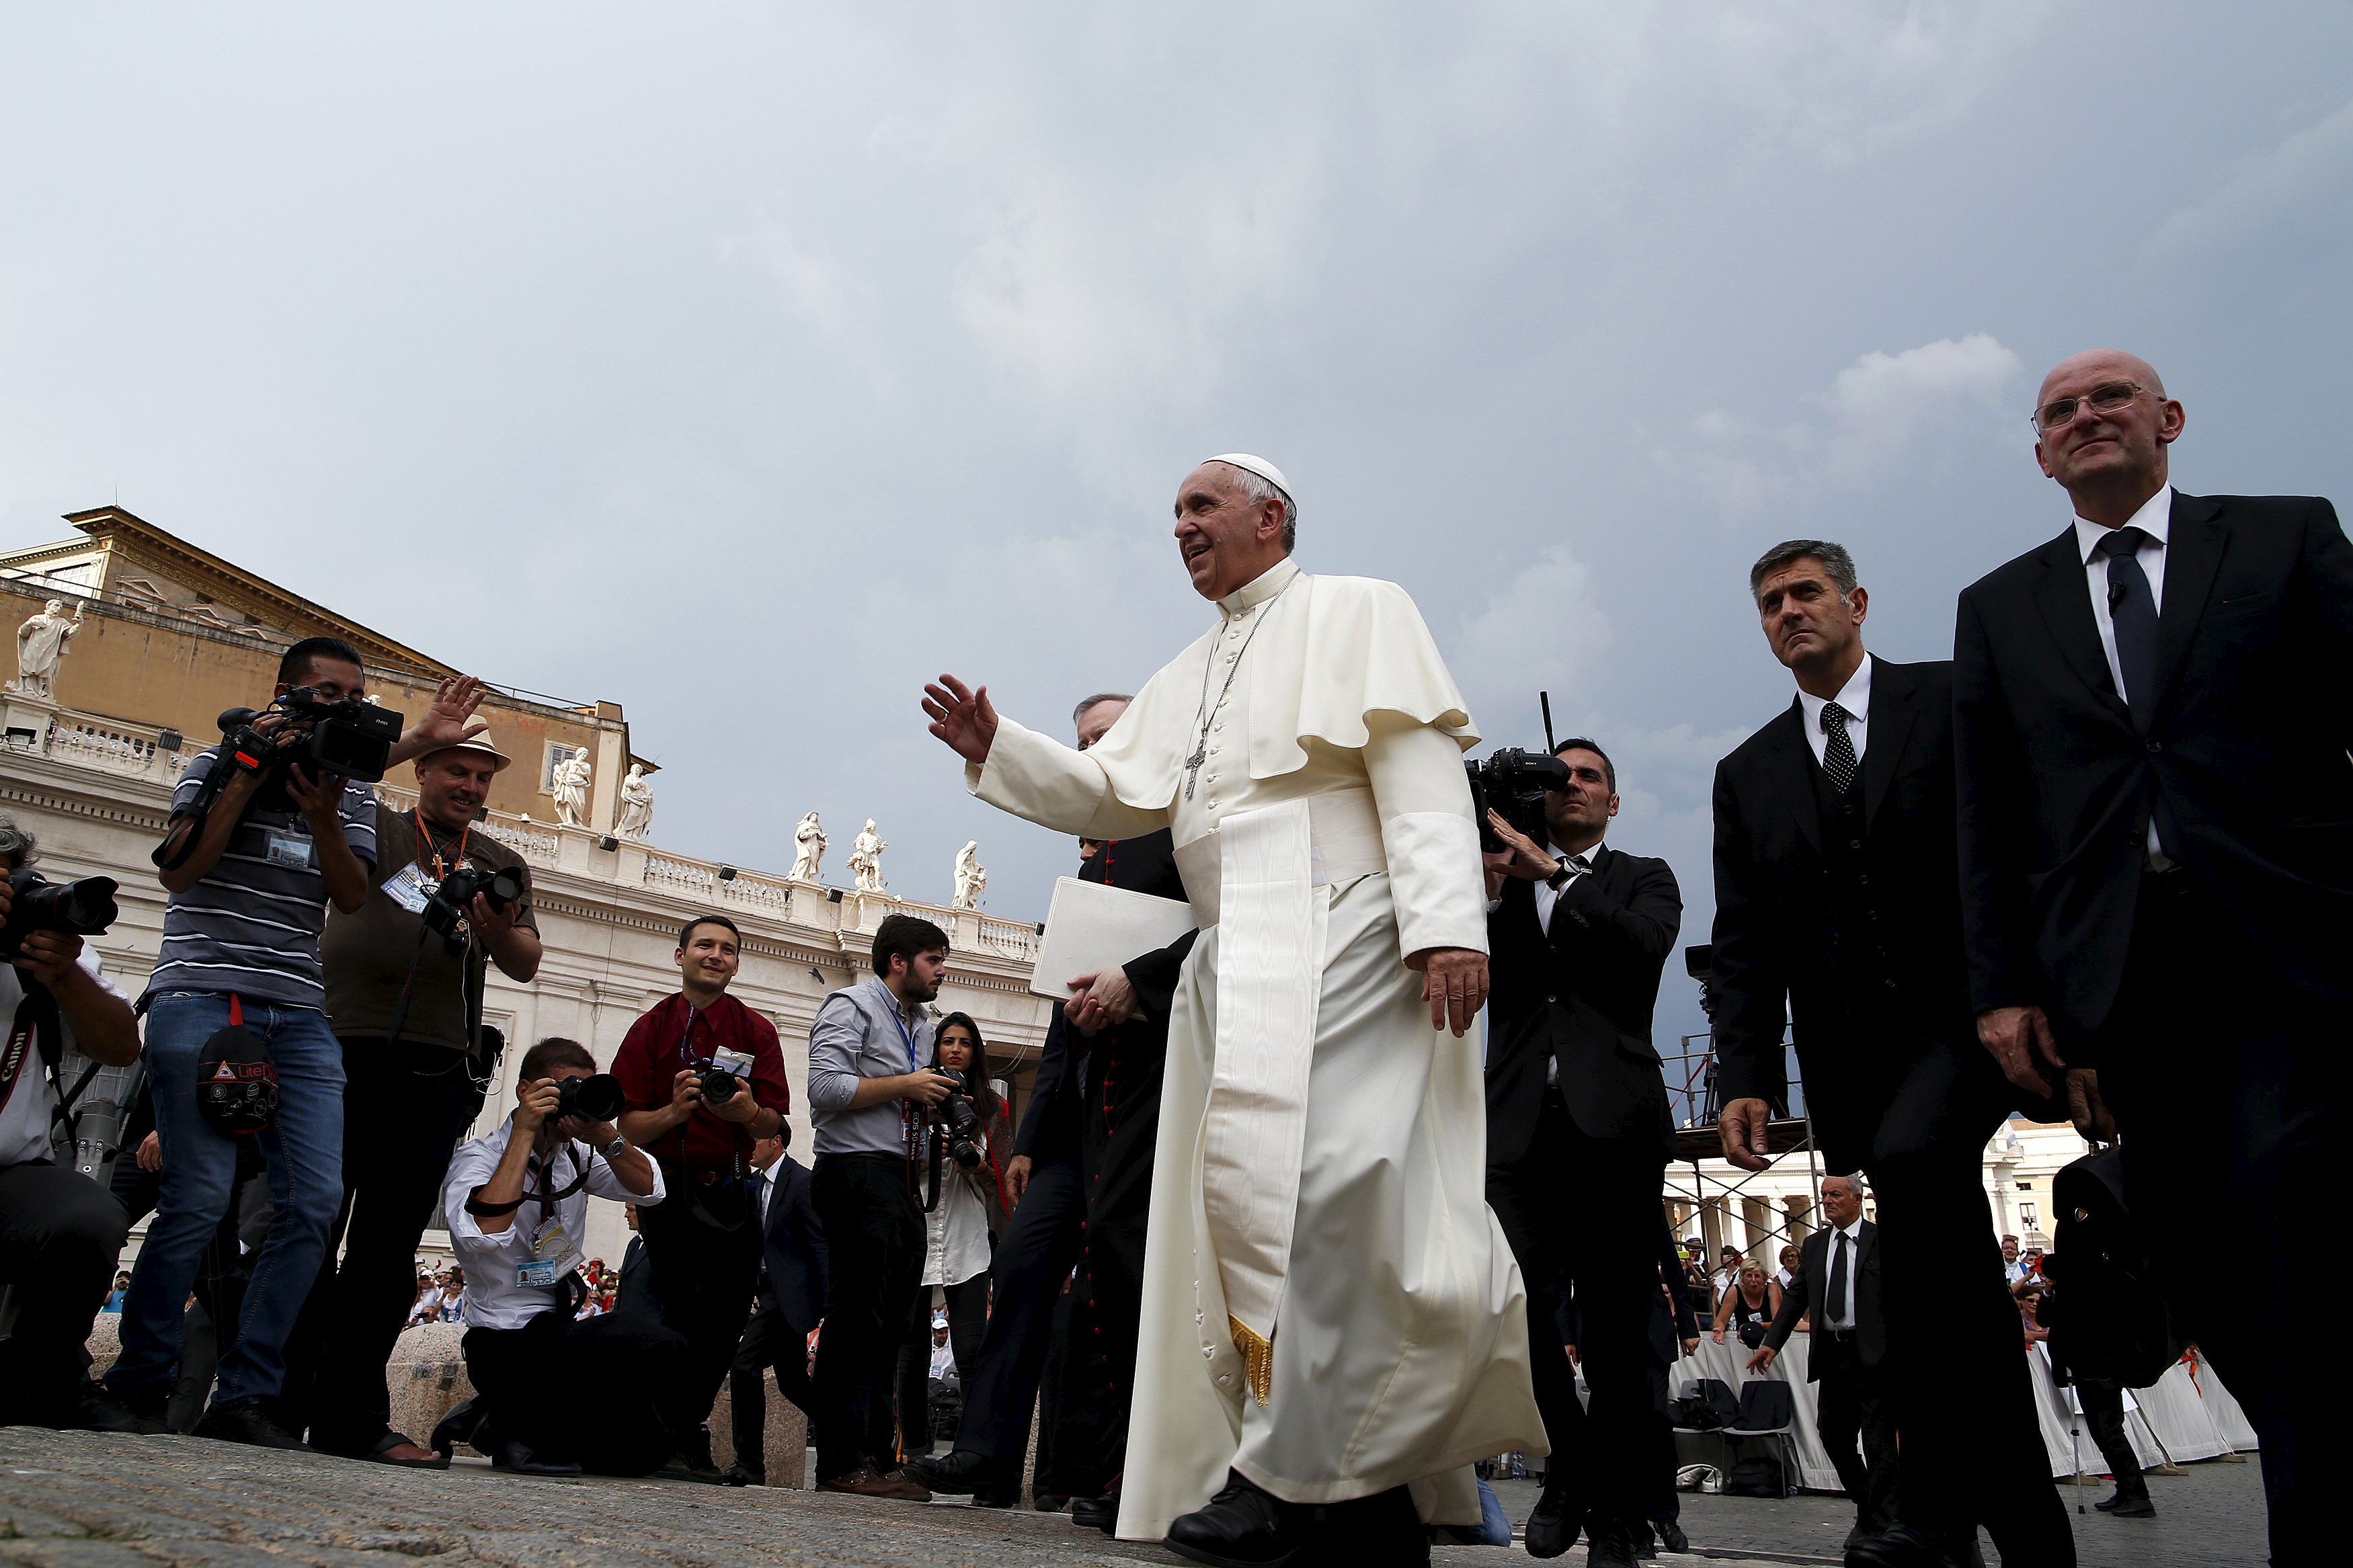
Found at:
<point>1243,1238</point>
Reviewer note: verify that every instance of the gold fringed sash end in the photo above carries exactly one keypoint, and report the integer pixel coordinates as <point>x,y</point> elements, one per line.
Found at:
<point>1258,1358</point>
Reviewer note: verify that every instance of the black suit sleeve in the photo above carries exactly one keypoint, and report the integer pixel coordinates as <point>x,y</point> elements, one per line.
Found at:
<point>1993,787</point>
<point>1052,1059</point>
<point>1793,1307</point>
<point>2327,573</point>
<point>1749,987</point>
<point>1641,929</point>
<point>1154,975</point>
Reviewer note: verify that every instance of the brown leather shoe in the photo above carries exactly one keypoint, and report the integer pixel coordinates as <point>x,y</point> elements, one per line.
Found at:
<point>863,1482</point>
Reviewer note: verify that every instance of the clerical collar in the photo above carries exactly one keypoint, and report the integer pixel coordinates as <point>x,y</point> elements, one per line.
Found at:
<point>1260,588</point>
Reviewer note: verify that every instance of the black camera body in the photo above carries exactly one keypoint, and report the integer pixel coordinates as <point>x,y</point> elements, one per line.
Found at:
<point>958,1121</point>
<point>1514,783</point>
<point>83,908</point>
<point>445,908</point>
<point>347,737</point>
<point>595,1097</point>
<point>719,1085</point>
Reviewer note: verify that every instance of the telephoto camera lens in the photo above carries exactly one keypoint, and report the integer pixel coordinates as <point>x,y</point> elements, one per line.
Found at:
<point>597,1097</point>
<point>960,1122</point>
<point>84,908</point>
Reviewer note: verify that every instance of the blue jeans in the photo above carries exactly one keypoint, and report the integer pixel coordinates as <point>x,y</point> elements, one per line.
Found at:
<point>304,1149</point>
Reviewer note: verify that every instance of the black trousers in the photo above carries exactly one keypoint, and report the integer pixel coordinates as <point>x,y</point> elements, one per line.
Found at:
<point>1851,1408</point>
<point>703,1275</point>
<point>599,1392</point>
<point>1031,1263</point>
<point>1583,1216</point>
<point>404,1110</point>
<point>967,1310</point>
<point>874,1255</point>
<point>60,1234</point>
<point>2103,1399</point>
<point>2228,1086</point>
<point>768,1343</point>
<point>1946,1306</point>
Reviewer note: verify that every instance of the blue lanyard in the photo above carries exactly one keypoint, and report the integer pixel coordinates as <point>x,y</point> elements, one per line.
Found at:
<point>900,1024</point>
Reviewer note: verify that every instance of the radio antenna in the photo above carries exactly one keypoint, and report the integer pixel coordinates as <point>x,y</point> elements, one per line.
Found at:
<point>1546,697</point>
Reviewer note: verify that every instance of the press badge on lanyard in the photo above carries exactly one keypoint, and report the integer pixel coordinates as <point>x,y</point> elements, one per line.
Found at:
<point>410,888</point>
<point>736,1062</point>
<point>552,1256</point>
<point>290,850</point>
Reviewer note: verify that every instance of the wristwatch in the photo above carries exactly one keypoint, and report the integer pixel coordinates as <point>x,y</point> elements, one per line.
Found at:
<point>1561,878</point>
<point>616,1148</point>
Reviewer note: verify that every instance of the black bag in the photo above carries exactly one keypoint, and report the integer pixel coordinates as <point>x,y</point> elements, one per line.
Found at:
<point>1752,1333</point>
<point>1759,1477</point>
<point>1709,1407</point>
<point>237,1078</point>
<point>1765,1406</point>
<point>2107,1317</point>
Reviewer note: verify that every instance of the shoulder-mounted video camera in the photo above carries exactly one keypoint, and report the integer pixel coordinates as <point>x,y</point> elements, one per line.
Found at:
<point>348,737</point>
<point>1514,783</point>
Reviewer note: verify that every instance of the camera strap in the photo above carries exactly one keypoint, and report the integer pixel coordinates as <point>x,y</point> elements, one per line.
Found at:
<point>35,1029</point>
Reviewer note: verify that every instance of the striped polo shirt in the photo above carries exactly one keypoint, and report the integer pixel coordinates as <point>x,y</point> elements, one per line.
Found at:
<point>252,924</point>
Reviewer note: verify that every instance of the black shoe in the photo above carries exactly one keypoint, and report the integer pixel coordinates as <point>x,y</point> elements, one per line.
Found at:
<point>457,1426</point>
<point>2136,1506</point>
<point>93,1409</point>
<point>1048,1502</point>
<point>245,1421</point>
<point>1098,1513</point>
<point>1608,1545</point>
<point>1906,1546</point>
<point>738,1476</point>
<point>1646,1541</point>
<point>1241,1527</point>
<point>1671,1536</point>
<point>961,1472</point>
<point>1552,1528</point>
<point>996,1496</point>
<point>1384,1531</point>
<point>506,1455</point>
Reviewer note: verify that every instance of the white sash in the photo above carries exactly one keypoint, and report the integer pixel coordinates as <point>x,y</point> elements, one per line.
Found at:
<point>1270,929</point>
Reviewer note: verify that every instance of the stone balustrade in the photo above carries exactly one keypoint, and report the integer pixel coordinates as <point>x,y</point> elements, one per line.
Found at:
<point>40,727</point>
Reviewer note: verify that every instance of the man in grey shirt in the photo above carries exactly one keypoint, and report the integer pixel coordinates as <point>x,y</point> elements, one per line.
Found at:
<point>869,1083</point>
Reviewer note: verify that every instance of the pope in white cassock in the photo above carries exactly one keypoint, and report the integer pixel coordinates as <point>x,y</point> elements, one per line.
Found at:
<point>1331,1314</point>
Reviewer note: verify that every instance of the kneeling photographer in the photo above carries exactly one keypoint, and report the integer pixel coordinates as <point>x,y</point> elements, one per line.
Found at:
<point>704,1079</point>
<point>554,1394</point>
<point>60,1231</point>
<point>267,828</point>
<point>405,980</point>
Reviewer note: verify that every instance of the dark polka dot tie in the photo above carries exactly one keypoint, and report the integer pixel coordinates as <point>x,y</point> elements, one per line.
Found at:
<point>1838,751</point>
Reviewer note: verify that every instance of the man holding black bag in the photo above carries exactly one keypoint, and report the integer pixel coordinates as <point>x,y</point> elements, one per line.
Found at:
<point>705,1081</point>
<point>404,980</point>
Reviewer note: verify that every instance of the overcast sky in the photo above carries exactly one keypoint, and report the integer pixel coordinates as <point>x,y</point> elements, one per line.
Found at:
<point>745,363</point>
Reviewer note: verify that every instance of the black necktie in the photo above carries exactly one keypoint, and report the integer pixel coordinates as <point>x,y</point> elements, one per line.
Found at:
<point>1838,750</point>
<point>2133,609</point>
<point>1835,1309</point>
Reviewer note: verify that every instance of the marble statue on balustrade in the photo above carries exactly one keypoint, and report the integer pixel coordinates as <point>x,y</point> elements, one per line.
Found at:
<point>571,788</point>
<point>971,878</point>
<point>637,805</point>
<point>41,648</point>
<point>810,854</point>
<point>865,859</point>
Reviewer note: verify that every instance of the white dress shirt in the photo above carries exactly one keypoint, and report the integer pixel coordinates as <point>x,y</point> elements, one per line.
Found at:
<point>1839,1314</point>
<point>25,1117</point>
<point>493,1299</point>
<point>1855,698</point>
<point>2155,519</point>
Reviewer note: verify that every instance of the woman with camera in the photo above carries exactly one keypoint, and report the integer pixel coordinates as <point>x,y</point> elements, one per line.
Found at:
<point>971,1138</point>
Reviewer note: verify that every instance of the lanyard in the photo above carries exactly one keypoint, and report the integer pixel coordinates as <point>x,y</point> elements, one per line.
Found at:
<point>426,847</point>
<point>904,1034</point>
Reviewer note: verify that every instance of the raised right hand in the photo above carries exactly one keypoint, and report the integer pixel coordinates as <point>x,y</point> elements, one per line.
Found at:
<point>535,1105</point>
<point>1741,1128</point>
<point>962,717</point>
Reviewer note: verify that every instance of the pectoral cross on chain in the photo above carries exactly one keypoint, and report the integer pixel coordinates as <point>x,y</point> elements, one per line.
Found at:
<point>1192,763</point>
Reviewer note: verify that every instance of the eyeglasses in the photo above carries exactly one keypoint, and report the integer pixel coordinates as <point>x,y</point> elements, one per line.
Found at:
<point>2060,411</point>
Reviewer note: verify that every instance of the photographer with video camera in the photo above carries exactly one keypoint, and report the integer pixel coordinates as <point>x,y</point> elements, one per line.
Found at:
<point>555,1394</point>
<point>267,829</point>
<point>405,979</point>
<point>704,1078</point>
<point>872,1090</point>
<point>1578,1132</point>
<point>61,1232</point>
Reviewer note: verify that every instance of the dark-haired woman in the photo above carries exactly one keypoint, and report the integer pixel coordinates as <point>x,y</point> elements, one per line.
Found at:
<point>960,1232</point>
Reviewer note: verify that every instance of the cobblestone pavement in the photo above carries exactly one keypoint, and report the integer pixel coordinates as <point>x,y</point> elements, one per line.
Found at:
<point>89,1501</point>
<point>2211,1516</point>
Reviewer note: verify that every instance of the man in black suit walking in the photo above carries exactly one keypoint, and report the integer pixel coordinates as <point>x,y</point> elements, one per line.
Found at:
<point>788,1301</point>
<point>1579,1136</point>
<point>2152,713</point>
<point>1838,907</point>
<point>1847,1355</point>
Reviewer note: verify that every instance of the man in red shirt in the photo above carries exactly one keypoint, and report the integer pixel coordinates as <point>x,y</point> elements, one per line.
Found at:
<point>703,1247</point>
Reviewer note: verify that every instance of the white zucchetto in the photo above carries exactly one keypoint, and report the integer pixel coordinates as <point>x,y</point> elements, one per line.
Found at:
<point>1260,466</point>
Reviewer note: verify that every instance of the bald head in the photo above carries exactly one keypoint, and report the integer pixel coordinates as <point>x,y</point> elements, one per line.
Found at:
<point>2103,423</point>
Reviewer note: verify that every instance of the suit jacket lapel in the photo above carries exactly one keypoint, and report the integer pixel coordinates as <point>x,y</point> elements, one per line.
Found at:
<point>1893,707</point>
<point>1795,764</point>
<point>2066,606</point>
<point>2193,554</point>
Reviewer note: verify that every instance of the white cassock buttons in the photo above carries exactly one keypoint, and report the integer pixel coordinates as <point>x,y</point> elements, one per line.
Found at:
<point>1208,1352</point>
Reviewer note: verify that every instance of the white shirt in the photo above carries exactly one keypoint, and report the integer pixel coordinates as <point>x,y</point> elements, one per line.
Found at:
<point>1839,1314</point>
<point>955,1233</point>
<point>25,1119</point>
<point>943,1367</point>
<point>1855,698</point>
<point>493,1299</point>
<point>2155,519</point>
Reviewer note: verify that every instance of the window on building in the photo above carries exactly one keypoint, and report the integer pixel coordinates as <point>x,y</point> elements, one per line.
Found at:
<point>2030,1216</point>
<point>556,757</point>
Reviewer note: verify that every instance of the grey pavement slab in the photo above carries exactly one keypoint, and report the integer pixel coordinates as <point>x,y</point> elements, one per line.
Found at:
<point>84,1499</point>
